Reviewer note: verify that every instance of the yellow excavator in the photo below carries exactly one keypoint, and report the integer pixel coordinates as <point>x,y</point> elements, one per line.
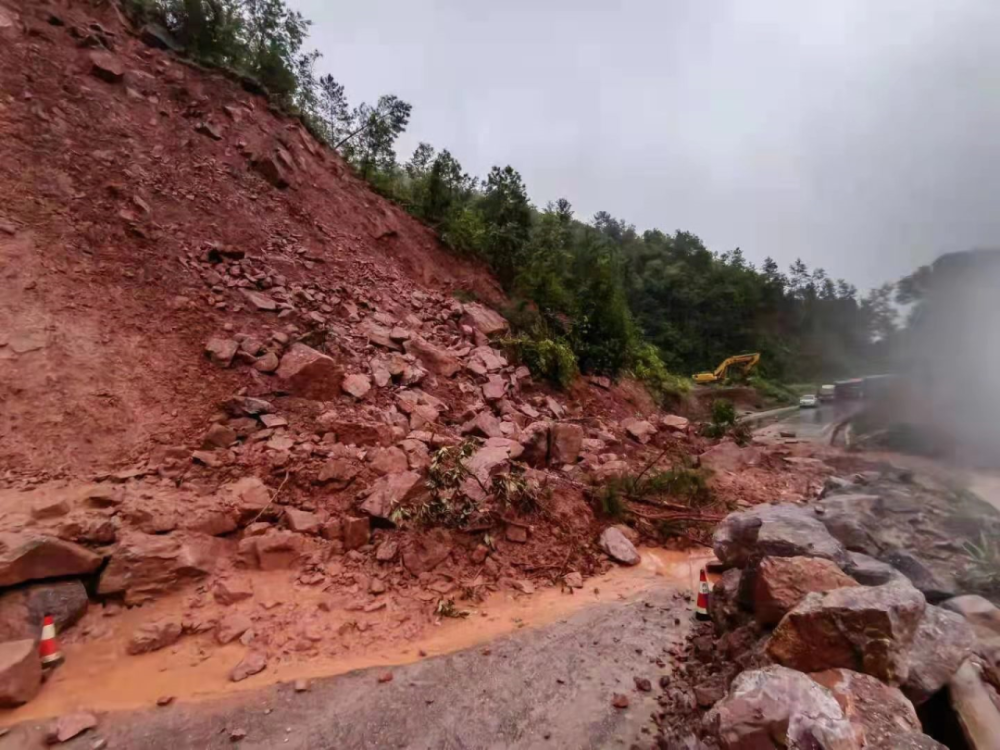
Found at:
<point>745,361</point>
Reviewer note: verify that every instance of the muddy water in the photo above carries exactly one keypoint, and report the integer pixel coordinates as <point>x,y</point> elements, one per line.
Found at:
<point>99,676</point>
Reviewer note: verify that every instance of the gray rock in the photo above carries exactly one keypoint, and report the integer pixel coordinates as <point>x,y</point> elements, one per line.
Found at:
<point>851,519</point>
<point>723,605</point>
<point>22,610</point>
<point>934,582</point>
<point>774,530</point>
<point>870,572</point>
<point>779,707</point>
<point>981,614</point>
<point>942,642</point>
<point>618,547</point>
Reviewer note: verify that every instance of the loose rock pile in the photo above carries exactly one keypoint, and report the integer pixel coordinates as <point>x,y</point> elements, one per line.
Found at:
<point>820,644</point>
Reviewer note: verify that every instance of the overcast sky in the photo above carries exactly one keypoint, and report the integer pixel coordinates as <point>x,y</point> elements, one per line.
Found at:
<point>860,135</point>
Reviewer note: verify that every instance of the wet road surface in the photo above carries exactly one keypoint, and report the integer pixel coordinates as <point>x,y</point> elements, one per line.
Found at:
<point>550,687</point>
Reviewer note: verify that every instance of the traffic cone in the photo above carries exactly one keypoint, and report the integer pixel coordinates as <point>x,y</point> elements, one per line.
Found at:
<point>701,606</point>
<point>48,647</point>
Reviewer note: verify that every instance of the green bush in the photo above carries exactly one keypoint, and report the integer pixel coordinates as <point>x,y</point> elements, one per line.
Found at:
<point>723,412</point>
<point>772,391</point>
<point>662,384</point>
<point>550,360</point>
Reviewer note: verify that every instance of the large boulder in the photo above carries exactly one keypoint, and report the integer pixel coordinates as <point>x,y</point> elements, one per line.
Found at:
<point>863,628</point>
<point>639,429</point>
<point>491,459</point>
<point>424,552</point>
<point>248,497</point>
<point>31,556</point>
<point>910,523</point>
<point>20,672</point>
<point>879,713</point>
<point>728,456</point>
<point>23,609</point>
<point>273,550</point>
<point>774,530</point>
<point>981,614</point>
<point>434,358</point>
<point>483,319</point>
<point>388,492</point>
<point>310,374</point>
<point>106,66</point>
<point>565,443</point>
<point>535,443</point>
<point>776,708</point>
<point>484,424</point>
<point>144,566</point>
<point>780,583</point>
<point>942,642</point>
<point>868,571</point>
<point>618,547</point>
<point>935,582</point>
<point>851,519</point>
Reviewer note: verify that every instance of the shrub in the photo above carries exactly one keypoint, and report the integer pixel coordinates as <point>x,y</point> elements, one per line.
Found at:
<point>549,359</point>
<point>663,385</point>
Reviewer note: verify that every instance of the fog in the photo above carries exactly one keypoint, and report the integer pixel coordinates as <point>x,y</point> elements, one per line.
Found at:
<point>857,135</point>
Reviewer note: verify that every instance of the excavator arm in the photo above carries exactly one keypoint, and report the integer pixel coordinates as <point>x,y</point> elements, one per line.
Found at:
<point>746,361</point>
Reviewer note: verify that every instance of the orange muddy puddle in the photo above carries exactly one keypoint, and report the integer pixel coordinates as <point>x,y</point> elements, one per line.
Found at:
<point>98,675</point>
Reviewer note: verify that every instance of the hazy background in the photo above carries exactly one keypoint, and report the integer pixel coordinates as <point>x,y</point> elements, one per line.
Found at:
<point>862,136</point>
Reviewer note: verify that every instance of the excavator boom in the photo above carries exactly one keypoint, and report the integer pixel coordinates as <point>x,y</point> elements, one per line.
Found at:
<point>746,361</point>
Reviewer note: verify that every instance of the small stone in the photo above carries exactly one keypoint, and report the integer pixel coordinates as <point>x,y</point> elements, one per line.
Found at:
<point>152,636</point>
<point>619,701</point>
<point>268,363</point>
<point>385,677</point>
<point>641,683</point>
<point>237,734</point>
<point>301,686</point>
<point>106,66</point>
<point>221,351</point>
<point>232,627</point>
<point>251,664</point>
<point>230,591</point>
<point>517,533</point>
<point>357,385</point>
<point>574,580</point>
<point>69,726</point>
<point>164,700</point>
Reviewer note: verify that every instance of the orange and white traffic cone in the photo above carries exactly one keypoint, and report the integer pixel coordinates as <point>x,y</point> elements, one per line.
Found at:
<point>48,647</point>
<point>701,606</point>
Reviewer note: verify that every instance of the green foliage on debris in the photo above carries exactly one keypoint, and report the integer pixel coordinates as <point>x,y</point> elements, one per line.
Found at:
<point>549,360</point>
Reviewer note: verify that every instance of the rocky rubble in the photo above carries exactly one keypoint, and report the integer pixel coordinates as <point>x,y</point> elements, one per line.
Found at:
<point>838,646</point>
<point>269,392</point>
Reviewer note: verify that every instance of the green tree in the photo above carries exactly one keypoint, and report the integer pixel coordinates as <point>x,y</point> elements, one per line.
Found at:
<point>507,219</point>
<point>376,130</point>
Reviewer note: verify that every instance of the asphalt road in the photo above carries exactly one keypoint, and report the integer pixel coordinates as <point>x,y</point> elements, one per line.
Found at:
<point>550,687</point>
<point>813,425</point>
